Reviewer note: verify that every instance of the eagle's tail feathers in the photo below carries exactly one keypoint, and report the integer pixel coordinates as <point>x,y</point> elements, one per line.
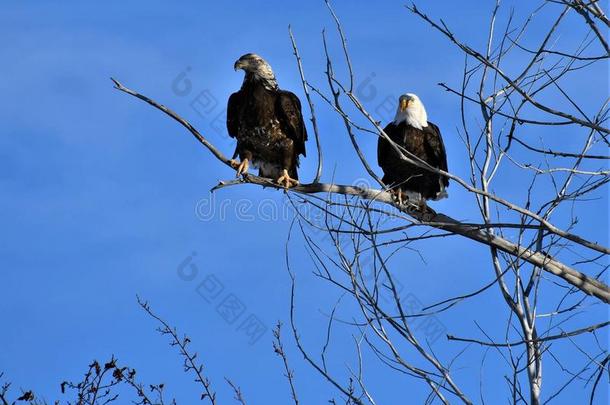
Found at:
<point>441,195</point>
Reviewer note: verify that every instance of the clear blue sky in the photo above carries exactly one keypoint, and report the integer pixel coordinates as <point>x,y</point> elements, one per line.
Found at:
<point>98,191</point>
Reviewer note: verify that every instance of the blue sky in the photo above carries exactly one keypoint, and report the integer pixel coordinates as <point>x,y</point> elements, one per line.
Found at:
<point>103,197</point>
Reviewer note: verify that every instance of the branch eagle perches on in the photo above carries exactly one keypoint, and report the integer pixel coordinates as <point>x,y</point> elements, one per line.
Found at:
<point>577,279</point>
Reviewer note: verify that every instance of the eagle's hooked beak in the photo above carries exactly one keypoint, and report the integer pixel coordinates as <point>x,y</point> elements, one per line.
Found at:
<point>239,64</point>
<point>404,104</point>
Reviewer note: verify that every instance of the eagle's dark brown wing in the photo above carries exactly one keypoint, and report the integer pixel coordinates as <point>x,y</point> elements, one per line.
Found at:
<point>387,157</point>
<point>383,146</point>
<point>435,149</point>
<point>288,109</point>
<point>233,106</point>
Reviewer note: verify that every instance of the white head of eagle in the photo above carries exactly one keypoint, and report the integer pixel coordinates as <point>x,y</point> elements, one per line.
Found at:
<point>256,68</point>
<point>411,110</point>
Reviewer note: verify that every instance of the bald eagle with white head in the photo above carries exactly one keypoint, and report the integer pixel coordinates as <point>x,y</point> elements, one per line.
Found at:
<point>267,123</point>
<point>412,132</point>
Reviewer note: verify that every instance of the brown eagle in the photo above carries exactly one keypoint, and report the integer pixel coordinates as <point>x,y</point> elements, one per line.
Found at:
<point>267,123</point>
<point>412,131</point>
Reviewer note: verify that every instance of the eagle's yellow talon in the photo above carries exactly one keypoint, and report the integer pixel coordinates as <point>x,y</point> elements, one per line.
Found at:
<point>398,195</point>
<point>242,168</point>
<point>286,181</point>
<point>423,207</point>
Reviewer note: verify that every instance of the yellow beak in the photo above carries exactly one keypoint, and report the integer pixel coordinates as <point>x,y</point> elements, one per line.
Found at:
<point>404,104</point>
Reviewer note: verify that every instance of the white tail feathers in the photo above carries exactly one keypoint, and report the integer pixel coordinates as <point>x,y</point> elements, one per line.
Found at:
<point>441,194</point>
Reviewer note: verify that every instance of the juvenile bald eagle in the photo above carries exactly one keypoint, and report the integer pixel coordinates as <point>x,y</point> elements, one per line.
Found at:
<point>412,131</point>
<point>267,123</point>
